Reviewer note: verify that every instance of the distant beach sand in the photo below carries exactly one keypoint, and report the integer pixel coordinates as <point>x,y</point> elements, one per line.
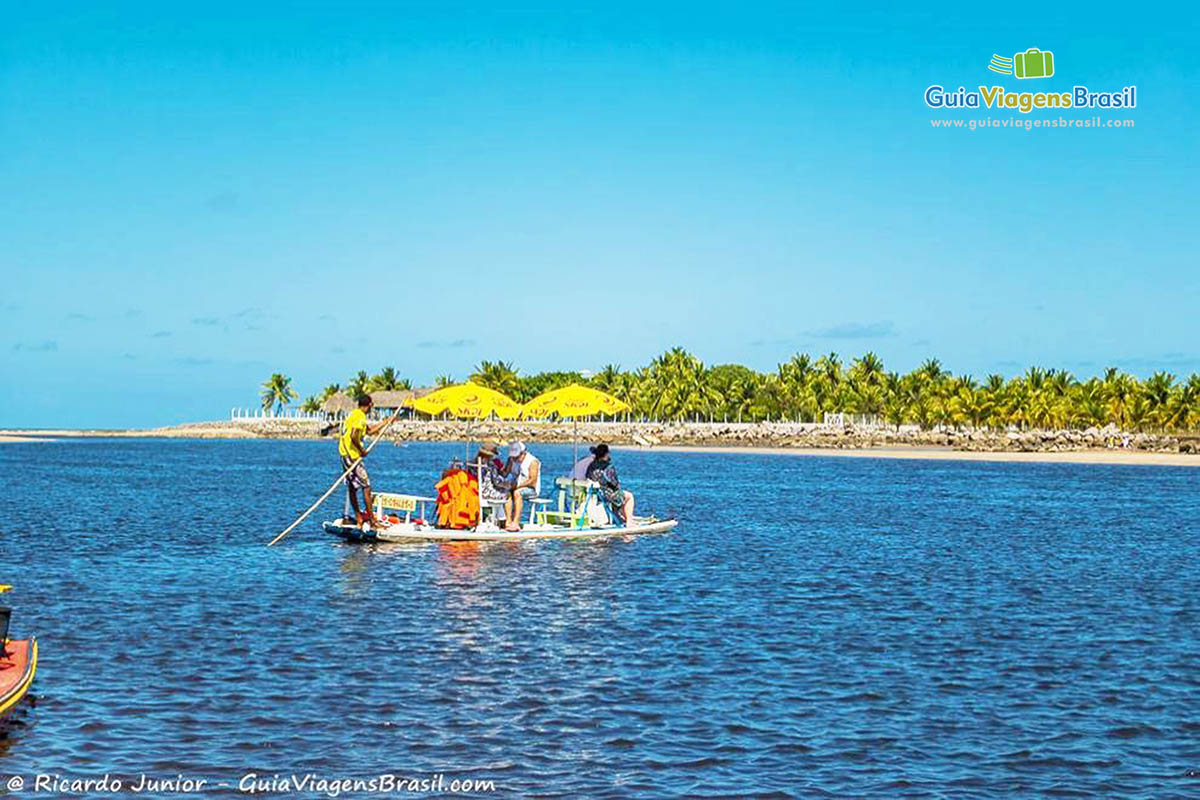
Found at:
<point>208,431</point>
<point>915,453</point>
<point>946,454</point>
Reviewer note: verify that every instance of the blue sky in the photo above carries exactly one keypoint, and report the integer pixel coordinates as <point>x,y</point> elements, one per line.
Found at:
<point>194,198</point>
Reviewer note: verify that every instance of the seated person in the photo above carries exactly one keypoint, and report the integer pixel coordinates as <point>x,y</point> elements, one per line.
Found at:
<point>494,488</point>
<point>525,473</point>
<point>579,471</point>
<point>604,473</point>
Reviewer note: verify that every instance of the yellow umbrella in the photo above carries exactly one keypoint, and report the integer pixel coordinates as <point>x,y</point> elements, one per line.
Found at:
<point>467,401</point>
<point>574,401</point>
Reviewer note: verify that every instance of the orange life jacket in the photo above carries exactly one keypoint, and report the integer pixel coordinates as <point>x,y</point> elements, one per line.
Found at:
<point>458,500</point>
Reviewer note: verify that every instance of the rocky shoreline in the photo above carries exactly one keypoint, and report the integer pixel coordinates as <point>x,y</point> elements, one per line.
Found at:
<point>775,435</point>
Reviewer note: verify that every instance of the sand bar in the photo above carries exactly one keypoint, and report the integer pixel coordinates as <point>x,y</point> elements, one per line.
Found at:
<point>1140,457</point>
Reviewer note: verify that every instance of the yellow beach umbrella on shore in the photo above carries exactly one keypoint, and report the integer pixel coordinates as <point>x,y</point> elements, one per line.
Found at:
<point>467,401</point>
<point>573,401</point>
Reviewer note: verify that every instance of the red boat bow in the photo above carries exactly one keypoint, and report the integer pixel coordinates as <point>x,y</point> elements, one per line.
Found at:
<point>17,667</point>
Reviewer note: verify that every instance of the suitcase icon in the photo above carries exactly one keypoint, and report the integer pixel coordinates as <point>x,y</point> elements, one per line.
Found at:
<point>1033,63</point>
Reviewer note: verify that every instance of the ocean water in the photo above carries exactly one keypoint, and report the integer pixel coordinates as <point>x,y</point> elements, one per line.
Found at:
<point>814,627</point>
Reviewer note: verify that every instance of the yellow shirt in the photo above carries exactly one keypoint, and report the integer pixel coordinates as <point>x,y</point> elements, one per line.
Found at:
<point>357,421</point>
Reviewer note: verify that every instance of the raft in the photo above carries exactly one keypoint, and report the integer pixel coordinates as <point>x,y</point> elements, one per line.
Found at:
<point>17,667</point>
<point>415,532</point>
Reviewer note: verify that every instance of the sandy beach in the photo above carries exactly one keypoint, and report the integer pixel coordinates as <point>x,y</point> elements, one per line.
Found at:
<point>947,454</point>
<point>186,431</point>
<point>918,452</point>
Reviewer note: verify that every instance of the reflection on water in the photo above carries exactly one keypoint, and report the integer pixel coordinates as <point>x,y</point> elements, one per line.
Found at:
<point>852,627</point>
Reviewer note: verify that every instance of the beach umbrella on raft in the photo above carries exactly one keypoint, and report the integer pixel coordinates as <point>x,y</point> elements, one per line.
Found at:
<point>467,401</point>
<point>573,401</point>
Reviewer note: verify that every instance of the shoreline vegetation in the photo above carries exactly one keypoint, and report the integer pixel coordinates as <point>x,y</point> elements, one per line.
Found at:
<point>1093,445</point>
<point>805,406</point>
<point>678,387</point>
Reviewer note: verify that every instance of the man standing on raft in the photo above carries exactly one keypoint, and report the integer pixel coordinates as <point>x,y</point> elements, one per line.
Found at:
<point>352,450</point>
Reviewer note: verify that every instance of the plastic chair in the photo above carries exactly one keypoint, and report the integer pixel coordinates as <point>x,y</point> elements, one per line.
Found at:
<point>534,504</point>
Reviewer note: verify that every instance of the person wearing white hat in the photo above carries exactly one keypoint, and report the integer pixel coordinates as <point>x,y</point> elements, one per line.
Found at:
<point>525,471</point>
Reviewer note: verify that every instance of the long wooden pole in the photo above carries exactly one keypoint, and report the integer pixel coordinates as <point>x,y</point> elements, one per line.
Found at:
<point>336,483</point>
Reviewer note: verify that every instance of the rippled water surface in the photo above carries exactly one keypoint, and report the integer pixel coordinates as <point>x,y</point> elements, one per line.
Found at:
<point>814,626</point>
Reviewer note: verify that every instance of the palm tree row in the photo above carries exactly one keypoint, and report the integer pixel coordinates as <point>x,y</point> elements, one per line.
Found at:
<point>678,386</point>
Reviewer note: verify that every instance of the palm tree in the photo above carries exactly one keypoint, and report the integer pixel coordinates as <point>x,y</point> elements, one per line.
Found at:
<point>680,386</point>
<point>329,391</point>
<point>736,386</point>
<point>895,410</point>
<point>1121,391</point>
<point>769,399</point>
<point>995,393</point>
<point>359,384</point>
<point>969,404</point>
<point>1061,382</point>
<point>797,370</point>
<point>1090,409</point>
<point>388,380</point>
<point>311,405</point>
<point>533,385</point>
<point>868,398</point>
<point>277,392</point>
<point>442,381</point>
<point>868,369</point>
<point>829,369</point>
<point>498,375</point>
<point>1158,390</point>
<point>607,379</point>
<point>1137,413</point>
<point>931,370</point>
<point>1035,378</point>
<point>635,387</point>
<point>1189,398</point>
<point>826,385</point>
<point>922,412</point>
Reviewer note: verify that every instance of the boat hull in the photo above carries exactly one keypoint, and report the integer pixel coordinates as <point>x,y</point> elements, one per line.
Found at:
<point>18,665</point>
<point>411,533</point>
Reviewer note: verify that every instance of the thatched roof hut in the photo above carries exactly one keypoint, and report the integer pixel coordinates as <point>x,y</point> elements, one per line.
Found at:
<point>389,401</point>
<point>337,403</point>
<point>340,404</point>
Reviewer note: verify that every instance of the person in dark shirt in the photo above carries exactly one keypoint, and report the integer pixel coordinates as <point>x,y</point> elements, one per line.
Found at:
<point>602,471</point>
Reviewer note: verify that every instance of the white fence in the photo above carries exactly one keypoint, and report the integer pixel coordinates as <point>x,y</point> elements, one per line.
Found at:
<point>844,420</point>
<point>828,419</point>
<point>253,414</point>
